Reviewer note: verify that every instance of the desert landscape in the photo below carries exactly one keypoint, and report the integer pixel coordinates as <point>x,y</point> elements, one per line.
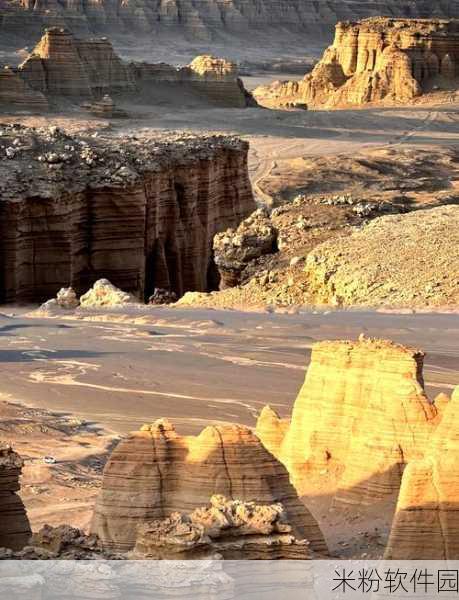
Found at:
<point>229,280</point>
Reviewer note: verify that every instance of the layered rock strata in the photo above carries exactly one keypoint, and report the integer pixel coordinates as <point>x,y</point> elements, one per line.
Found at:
<point>230,529</point>
<point>359,400</point>
<point>206,18</point>
<point>401,260</point>
<point>14,524</point>
<point>14,91</point>
<point>156,472</point>
<point>378,59</point>
<point>215,80</point>
<point>63,65</point>
<point>141,212</point>
<point>426,522</point>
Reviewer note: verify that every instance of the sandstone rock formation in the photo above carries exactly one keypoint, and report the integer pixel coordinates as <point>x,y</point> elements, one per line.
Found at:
<point>359,400</point>
<point>426,522</point>
<point>14,91</point>
<point>63,65</point>
<point>156,472</point>
<point>103,293</point>
<point>206,18</point>
<point>141,211</point>
<point>398,260</point>
<point>378,59</point>
<point>14,524</point>
<point>234,249</point>
<point>214,80</point>
<point>229,529</point>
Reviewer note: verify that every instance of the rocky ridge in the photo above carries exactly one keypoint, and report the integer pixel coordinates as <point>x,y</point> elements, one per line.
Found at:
<point>150,206</point>
<point>156,472</point>
<point>205,19</point>
<point>377,60</point>
<point>359,399</point>
<point>63,68</point>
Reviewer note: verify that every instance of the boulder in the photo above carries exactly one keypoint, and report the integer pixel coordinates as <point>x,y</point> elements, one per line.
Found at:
<point>230,529</point>
<point>103,294</point>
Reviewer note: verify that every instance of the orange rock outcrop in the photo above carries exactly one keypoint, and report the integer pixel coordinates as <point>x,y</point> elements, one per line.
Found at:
<point>378,59</point>
<point>359,400</point>
<point>156,472</point>
<point>426,522</point>
<point>14,524</point>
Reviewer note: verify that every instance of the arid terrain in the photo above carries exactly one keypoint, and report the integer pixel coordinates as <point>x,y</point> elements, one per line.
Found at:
<point>304,237</point>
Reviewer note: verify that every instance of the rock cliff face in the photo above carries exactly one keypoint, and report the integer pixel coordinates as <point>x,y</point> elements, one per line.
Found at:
<point>16,92</point>
<point>214,79</point>
<point>156,472</point>
<point>426,522</point>
<point>378,59</point>
<point>360,399</point>
<point>230,529</point>
<point>141,212</point>
<point>206,18</point>
<point>63,65</point>
<point>14,525</point>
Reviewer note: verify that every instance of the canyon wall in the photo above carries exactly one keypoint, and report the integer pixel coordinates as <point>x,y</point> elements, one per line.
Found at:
<point>378,59</point>
<point>156,472</point>
<point>14,524</point>
<point>139,211</point>
<point>359,400</point>
<point>426,522</point>
<point>205,19</point>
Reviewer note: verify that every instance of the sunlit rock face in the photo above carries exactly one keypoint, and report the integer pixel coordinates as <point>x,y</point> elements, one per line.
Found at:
<point>14,524</point>
<point>156,472</point>
<point>359,400</point>
<point>426,522</point>
<point>379,59</point>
